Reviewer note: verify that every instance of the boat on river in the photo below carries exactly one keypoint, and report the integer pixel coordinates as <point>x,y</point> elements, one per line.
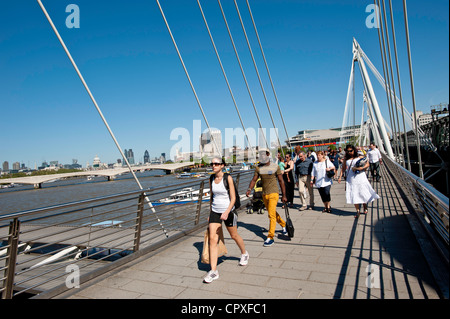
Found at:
<point>185,196</point>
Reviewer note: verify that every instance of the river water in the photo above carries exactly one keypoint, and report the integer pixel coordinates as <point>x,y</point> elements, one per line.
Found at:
<point>25,197</point>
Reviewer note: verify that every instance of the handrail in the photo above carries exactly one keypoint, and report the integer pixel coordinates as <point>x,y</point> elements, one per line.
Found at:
<point>432,206</point>
<point>38,244</point>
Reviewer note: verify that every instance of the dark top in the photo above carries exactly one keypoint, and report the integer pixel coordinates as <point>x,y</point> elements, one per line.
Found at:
<point>303,168</point>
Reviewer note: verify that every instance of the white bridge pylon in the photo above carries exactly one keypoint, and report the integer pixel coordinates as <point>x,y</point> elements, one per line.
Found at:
<point>378,123</point>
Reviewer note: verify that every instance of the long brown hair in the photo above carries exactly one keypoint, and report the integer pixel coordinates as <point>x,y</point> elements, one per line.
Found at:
<point>348,155</point>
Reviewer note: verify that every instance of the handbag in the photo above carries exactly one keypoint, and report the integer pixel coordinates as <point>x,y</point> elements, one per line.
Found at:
<point>331,173</point>
<point>222,249</point>
<point>289,225</point>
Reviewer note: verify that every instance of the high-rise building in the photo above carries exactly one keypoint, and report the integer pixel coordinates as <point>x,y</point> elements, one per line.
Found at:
<point>5,166</point>
<point>146,157</point>
<point>211,143</point>
<point>129,156</point>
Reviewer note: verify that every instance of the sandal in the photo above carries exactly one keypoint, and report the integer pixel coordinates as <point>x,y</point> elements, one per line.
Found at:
<point>365,211</point>
<point>357,214</point>
<point>329,210</point>
<point>325,210</point>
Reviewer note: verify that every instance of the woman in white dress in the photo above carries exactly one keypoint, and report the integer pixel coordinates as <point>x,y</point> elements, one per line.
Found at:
<point>357,187</point>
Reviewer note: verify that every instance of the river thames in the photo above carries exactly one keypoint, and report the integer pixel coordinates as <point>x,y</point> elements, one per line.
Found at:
<point>25,197</point>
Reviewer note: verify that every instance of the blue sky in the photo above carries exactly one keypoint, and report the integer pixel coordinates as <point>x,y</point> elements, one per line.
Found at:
<point>126,56</point>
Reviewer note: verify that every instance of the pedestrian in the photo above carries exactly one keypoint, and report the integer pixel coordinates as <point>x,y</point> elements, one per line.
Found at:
<point>303,169</point>
<point>341,156</point>
<point>319,177</point>
<point>281,163</point>
<point>374,161</point>
<point>288,178</point>
<point>357,187</point>
<point>222,210</point>
<point>270,175</point>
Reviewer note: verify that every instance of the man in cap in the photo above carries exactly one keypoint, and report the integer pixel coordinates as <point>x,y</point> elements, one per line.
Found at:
<point>271,176</point>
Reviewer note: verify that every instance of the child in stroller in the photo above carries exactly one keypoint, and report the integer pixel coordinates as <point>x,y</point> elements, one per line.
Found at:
<point>257,204</point>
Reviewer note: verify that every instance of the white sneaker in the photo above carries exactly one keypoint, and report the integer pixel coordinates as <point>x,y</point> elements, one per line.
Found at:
<point>211,276</point>
<point>244,259</point>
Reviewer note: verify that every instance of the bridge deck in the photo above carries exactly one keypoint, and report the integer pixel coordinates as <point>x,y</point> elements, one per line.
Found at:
<point>327,258</point>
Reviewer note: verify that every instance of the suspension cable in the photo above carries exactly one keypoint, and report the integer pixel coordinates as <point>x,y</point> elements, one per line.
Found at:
<point>405,15</point>
<point>226,79</point>
<point>386,72</point>
<point>243,74</point>
<point>405,135</point>
<point>259,77</point>
<point>268,73</point>
<point>397,129</point>
<point>189,79</point>
<point>98,110</point>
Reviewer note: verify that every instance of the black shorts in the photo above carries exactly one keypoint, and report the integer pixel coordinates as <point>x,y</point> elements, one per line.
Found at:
<point>230,222</point>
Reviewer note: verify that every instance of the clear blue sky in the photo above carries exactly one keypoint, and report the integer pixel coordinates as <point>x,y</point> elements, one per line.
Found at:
<point>126,56</point>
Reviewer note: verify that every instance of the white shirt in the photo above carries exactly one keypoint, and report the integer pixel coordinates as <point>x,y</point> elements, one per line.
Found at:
<point>374,155</point>
<point>220,200</point>
<point>320,173</point>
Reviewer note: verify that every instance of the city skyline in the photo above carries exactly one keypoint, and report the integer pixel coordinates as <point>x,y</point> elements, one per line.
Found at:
<point>127,58</point>
<point>75,161</point>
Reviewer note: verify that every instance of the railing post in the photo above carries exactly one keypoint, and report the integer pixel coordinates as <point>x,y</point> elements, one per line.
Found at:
<point>237,180</point>
<point>13,242</point>
<point>139,217</point>
<point>199,203</point>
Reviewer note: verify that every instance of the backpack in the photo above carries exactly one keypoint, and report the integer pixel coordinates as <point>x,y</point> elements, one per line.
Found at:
<point>237,203</point>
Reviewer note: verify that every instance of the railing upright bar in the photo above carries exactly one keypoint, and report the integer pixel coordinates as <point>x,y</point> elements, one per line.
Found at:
<point>199,203</point>
<point>137,235</point>
<point>13,243</point>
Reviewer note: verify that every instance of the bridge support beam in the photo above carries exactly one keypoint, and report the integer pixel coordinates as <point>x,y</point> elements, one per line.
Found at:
<point>373,99</point>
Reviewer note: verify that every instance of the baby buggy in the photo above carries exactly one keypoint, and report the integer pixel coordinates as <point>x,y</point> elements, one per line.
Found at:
<point>256,203</point>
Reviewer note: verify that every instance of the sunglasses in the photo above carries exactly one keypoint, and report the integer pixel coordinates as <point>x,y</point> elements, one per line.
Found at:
<point>349,151</point>
<point>216,164</point>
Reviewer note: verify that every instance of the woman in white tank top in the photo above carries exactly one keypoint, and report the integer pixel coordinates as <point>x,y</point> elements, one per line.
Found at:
<point>222,209</point>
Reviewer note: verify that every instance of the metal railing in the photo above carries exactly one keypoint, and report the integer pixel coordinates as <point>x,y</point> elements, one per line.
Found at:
<point>431,205</point>
<point>49,250</point>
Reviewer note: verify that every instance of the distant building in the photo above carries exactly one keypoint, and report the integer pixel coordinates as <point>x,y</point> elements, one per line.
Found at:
<point>423,119</point>
<point>96,163</point>
<point>211,143</point>
<point>16,166</point>
<point>146,157</point>
<point>129,155</point>
<point>163,158</point>
<point>321,139</point>
<point>5,166</point>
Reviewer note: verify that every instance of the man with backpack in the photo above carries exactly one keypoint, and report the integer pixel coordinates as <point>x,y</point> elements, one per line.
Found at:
<point>271,176</point>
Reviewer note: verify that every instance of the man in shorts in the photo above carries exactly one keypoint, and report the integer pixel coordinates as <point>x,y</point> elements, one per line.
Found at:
<point>271,176</point>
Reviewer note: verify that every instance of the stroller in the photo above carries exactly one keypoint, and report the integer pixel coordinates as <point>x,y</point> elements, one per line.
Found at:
<point>257,203</point>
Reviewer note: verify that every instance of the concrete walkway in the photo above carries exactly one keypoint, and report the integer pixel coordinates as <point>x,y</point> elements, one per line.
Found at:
<point>327,258</point>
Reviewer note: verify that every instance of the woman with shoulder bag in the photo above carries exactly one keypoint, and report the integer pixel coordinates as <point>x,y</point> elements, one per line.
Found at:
<point>222,209</point>
<point>322,176</point>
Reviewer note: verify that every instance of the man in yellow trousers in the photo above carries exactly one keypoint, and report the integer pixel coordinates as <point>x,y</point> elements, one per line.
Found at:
<point>271,176</point>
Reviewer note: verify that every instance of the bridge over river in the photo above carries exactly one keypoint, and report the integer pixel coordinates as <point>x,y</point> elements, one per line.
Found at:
<point>108,173</point>
<point>393,252</point>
